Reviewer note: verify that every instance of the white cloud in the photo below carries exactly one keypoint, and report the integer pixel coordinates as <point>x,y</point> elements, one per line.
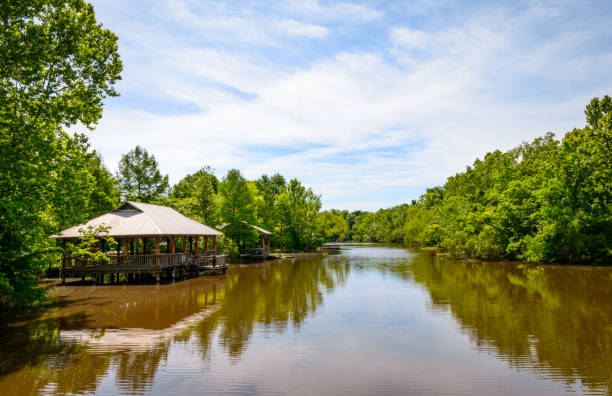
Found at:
<point>336,11</point>
<point>297,29</point>
<point>356,125</point>
<point>410,39</point>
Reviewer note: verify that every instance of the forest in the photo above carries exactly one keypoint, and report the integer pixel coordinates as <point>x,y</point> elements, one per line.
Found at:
<point>543,201</point>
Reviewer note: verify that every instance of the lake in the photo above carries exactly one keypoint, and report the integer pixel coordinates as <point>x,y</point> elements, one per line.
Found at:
<point>373,319</point>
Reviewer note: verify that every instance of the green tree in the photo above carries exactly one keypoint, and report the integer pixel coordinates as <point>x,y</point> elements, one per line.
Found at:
<point>298,208</point>
<point>269,189</point>
<point>57,64</point>
<point>237,207</point>
<point>81,186</point>
<point>88,243</point>
<point>139,177</point>
<point>196,196</point>
<point>332,226</point>
<point>105,195</point>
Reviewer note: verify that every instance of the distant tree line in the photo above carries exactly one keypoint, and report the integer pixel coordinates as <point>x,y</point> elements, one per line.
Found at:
<point>546,200</point>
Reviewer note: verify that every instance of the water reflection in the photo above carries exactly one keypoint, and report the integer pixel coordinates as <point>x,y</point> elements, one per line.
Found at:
<point>552,321</point>
<point>271,295</point>
<point>93,329</point>
<point>130,329</point>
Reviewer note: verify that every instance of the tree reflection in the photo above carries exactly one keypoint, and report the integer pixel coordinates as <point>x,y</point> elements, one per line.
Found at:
<point>37,356</point>
<point>542,318</point>
<point>549,320</point>
<point>273,295</point>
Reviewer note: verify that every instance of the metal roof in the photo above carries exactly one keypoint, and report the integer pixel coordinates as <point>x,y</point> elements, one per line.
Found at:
<point>258,229</point>
<point>134,219</point>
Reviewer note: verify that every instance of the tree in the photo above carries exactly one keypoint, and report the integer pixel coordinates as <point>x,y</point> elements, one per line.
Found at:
<point>57,65</point>
<point>298,207</point>
<point>332,226</point>
<point>82,187</point>
<point>269,189</point>
<point>88,243</point>
<point>196,196</point>
<point>105,195</point>
<point>139,177</point>
<point>237,207</point>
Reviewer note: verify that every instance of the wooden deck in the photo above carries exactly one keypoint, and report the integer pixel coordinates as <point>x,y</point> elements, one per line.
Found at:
<point>129,267</point>
<point>331,247</point>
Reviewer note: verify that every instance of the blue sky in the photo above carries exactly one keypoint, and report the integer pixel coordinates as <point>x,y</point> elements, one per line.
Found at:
<point>367,102</point>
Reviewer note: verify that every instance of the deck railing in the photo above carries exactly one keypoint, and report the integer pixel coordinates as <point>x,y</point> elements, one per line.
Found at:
<point>162,260</point>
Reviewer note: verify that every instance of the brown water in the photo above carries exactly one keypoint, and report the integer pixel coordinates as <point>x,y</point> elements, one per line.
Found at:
<point>371,320</point>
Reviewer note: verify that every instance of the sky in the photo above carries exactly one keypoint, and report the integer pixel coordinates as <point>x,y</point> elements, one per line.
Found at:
<point>368,102</point>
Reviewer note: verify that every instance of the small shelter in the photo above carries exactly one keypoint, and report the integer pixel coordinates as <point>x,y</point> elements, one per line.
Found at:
<point>260,251</point>
<point>140,230</point>
<point>264,239</point>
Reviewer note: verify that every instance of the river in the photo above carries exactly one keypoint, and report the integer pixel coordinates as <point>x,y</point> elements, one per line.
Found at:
<point>372,319</point>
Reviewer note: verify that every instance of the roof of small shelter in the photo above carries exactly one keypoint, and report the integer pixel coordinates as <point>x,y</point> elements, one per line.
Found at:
<point>258,229</point>
<point>134,219</point>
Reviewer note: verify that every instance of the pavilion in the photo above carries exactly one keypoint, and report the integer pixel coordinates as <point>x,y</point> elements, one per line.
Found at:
<point>141,230</point>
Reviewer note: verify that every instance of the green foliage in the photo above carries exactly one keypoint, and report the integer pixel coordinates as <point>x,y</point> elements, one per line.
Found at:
<point>88,245</point>
<point>269,189</point>
<point>237,207</point>
<point>332,225</point>
<point>196,196</point>
<point>57,64</point>
<point>298,207</point>
<point>542,201</point>
<point>139,177</point>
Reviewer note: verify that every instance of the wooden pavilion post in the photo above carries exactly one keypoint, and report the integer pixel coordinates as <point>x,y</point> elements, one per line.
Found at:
<point>197,239</point>
<point>172,244</point>
<point>126,246</point>
<point>185,244</point>
<point>157,250</point>
<point>206,243</point>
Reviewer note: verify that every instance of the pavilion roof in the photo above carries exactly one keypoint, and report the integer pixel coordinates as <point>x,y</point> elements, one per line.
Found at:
<point>135,219</point>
